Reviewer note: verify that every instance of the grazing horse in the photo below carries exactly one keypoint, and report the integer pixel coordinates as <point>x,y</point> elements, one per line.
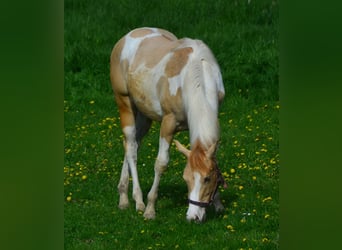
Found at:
<point>157,77</point>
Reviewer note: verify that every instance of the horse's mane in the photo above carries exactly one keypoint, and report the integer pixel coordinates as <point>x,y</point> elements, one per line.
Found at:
<point>203,81</point>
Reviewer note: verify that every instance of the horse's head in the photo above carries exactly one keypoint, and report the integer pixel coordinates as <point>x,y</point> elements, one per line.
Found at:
<point>202,177</point>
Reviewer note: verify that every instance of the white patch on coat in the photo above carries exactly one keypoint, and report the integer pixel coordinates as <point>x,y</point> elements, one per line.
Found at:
<point>175,84</point>
<point>163,153</point>
<point>195,212</point>
<point>132,44</point>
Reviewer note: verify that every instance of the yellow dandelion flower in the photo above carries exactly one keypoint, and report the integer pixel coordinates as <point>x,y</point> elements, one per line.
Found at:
<point>240,187</point>
<point>265,240</point>
<point>84,177</point>
<point>68,198</point>
<point>92,102</point>
<point>266,216</point>
<point>254,178</point>
<point>269,198</point>
<point>232,170</point>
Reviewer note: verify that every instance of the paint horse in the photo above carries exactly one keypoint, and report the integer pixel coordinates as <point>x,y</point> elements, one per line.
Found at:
<point>156,77</point>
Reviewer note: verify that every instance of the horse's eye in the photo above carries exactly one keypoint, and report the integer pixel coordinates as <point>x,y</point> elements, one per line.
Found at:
<point>206,179</point>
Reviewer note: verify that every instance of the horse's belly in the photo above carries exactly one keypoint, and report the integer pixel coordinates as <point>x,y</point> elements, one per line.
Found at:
<point>144,96</point>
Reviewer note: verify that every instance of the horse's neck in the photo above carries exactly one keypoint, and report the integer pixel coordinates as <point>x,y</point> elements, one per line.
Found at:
<point>202,117</point>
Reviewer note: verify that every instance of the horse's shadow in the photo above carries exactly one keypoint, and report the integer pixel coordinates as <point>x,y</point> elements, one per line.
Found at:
<point>173,194</point>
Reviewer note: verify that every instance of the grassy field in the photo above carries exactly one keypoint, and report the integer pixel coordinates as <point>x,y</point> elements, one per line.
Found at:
<point>243,36</point>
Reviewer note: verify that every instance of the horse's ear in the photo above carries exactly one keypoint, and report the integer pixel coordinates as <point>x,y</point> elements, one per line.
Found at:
<point>182,148</point>
<point>211,150</point>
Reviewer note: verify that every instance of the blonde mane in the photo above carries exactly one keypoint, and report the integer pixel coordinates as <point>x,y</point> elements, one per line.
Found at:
<point>202,83</point>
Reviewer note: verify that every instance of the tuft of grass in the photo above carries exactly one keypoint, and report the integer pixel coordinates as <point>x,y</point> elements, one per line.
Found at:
<point>243,36</point>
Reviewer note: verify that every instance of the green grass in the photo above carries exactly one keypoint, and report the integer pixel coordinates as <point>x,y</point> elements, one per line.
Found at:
<point>244,39</point>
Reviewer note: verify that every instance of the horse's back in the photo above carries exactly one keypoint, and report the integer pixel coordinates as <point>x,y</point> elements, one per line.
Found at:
<point>150,66</point>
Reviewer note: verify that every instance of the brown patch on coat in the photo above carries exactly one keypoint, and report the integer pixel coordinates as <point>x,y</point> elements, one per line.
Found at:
<point>151,50</point>
<point>140,33</point>
<point>177,62</point>
<point>127,117</point>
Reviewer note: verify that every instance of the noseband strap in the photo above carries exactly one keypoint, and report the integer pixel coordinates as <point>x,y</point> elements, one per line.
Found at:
<point>200,203</point>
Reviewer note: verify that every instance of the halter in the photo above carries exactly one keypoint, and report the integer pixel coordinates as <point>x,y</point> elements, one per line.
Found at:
<point>219,181</point>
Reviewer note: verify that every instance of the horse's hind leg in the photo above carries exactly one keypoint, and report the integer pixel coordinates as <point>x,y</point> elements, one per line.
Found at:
<point>123,185</point>
<point>127,119</point>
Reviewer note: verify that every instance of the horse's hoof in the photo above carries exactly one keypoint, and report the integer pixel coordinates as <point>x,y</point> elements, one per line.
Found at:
<point>140,207</point>
<point>150,215</point>
<point>123,206</point>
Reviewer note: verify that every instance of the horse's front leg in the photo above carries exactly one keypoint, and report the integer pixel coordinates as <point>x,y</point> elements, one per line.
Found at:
<point>217,203</point>
<point>167,129</point>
